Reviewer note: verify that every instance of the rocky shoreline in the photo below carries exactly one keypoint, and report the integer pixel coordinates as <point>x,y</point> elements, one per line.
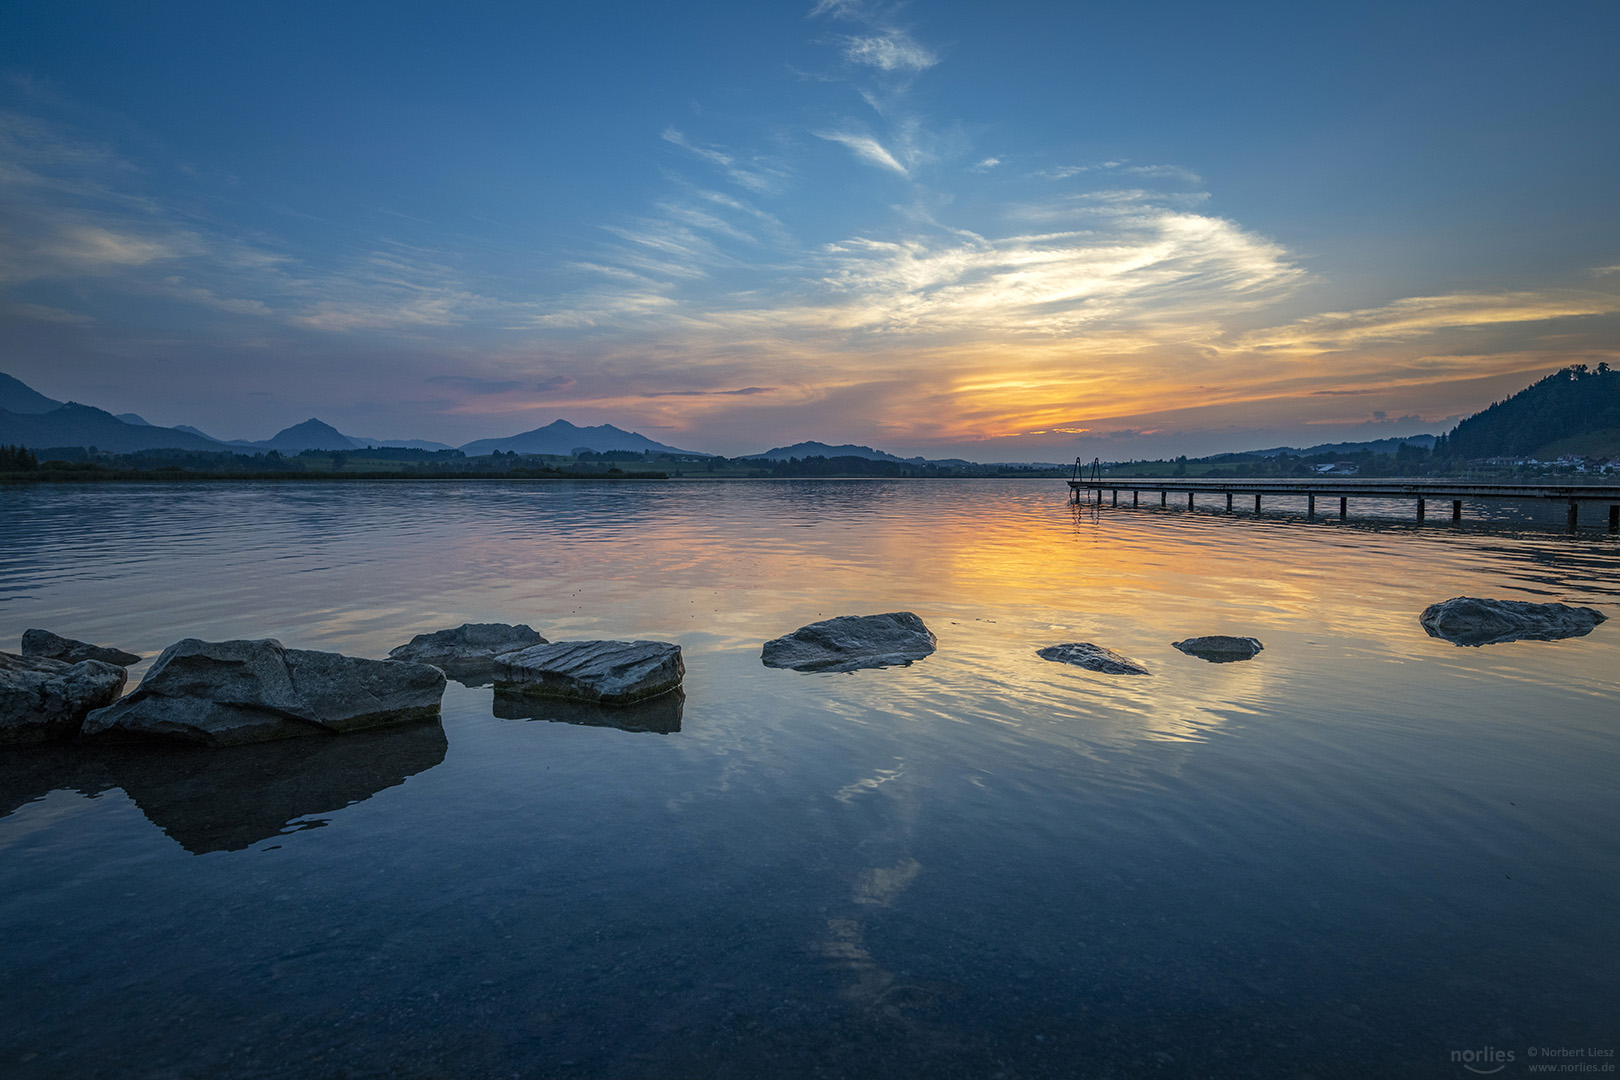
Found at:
<point>60,691</point>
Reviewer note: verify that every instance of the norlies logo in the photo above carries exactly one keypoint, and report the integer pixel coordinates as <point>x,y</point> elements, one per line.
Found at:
<point>1484,1061</point>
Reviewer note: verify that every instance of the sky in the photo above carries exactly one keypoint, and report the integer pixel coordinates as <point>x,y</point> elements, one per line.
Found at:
<point>1001,232</point>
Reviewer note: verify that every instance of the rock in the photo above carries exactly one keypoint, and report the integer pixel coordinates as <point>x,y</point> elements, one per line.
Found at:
<point>849,642</point>
<point>1469,620</point>
<point>608,672</point>
<point>1093,658</point>
<point>45,700</point>
<point>224,693</point>
<point>467,652</point>
<point>55,647</point>
<point>661,715</point>
<point>1220,649</point>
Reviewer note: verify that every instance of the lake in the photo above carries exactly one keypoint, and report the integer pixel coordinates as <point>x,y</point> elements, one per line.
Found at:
<point>1364,852</point>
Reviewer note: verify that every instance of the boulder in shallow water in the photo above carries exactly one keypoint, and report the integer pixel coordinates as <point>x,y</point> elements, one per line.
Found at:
<point>1219,648</point>
<point>1470,620</point>
<point>1092,658</point>
<point>44,700</point>
<point>224,693</point>
<point>849,642</point>
<point>468,651</point>
<point>56,647</point>
<point>608,672</point>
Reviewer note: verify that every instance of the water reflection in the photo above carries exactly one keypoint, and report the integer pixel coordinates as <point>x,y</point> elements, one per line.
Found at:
<point>661,715</point>
<point>230,799</point>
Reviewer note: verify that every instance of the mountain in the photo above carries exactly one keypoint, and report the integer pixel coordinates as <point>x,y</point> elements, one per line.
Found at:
<point>83,425</point>
<point>312,434</point>
<point>133,418</point>
<point>1376,446</point>
<point>561,437</point>
<point>1573,411</point>
<point>820,449</point>
<point>17,396</point>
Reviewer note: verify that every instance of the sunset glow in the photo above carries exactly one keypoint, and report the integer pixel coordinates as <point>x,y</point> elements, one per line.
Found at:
<point>917,227</point>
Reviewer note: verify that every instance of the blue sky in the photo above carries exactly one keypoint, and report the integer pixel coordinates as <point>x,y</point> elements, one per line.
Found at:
<point>1002,232</point>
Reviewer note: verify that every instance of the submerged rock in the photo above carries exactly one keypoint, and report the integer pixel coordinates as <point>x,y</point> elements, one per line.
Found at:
<point>224,693</point>
<point>849,642</point>
<point>661,714</point>
<point>44,700</point>
<point>1220,649</point>
<point>1092,658</point>
<point>468,651</point>
<point>608,672</point>
<point>56,647</point>
<point>1469,620</point>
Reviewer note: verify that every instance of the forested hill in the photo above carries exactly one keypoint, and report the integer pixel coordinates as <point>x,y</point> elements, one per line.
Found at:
<point>1573,411</point>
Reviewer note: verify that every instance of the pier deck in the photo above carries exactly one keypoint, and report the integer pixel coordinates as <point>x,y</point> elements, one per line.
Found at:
<point>1421,491</point>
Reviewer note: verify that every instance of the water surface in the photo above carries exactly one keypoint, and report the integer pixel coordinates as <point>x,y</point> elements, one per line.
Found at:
<point>1354,855</point>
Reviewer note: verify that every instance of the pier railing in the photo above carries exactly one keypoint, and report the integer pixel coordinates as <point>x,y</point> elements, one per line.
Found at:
<point>1422,491</point>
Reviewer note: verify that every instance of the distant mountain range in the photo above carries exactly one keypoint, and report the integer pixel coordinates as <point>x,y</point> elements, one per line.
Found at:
<point>1572,411</point>
<point>561,437</point>
<point>34,420</point>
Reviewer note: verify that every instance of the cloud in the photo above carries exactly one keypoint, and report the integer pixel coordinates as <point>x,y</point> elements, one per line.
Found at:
<point>867,149</point>
<point>892,50</point>
<point>1417,316</point>
<point>474,384</point>
<point>757,176</point>
<point>746,391</point>
<point>986,165</point>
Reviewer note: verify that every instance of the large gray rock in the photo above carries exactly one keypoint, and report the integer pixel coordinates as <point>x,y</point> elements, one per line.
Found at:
<point>609,672</point>
<point>56,647</point>
<point>1220,649</point>
<point>849,642</point>
<point>469,650</point>
<point>44,700</point>
<point>1092,658</point>
<point>1469,620</point>
<point>224,693</point>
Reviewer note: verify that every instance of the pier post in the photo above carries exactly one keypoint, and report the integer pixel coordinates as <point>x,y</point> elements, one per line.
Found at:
<point>1614,519</point>
<point>1456,510</point>
<point>1310,507</point>
<point>1422,505</point>
<point>1189,500</point>
<point>1164,497</point>
<point>1344,507</point>
<point>1228,502</point>
<point>1136,497</point>
<point>1257,504</point>
<point>1574,516</point>
<point>1116,496</point>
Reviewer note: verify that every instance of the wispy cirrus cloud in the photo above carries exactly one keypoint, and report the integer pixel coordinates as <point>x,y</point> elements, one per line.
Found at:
<point>1421,316</point>
<point>867,149</point>
<point>890,50</point>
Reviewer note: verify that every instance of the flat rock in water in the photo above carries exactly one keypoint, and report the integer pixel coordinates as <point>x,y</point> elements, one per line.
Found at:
<point>1220,649</point>
<point>468,650</point>
<point>609,672</point>
<point>44,700</point>
<point>1469,620</point>
<point>849,642</point>
<point>56,647</point>
<point>1092,658</point>
<point>225,693</point>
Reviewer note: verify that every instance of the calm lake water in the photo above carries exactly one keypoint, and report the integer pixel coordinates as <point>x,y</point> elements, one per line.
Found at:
<point>1360,854</point>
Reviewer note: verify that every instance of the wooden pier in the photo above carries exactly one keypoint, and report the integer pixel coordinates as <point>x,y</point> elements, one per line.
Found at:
<point>1421,492</point>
